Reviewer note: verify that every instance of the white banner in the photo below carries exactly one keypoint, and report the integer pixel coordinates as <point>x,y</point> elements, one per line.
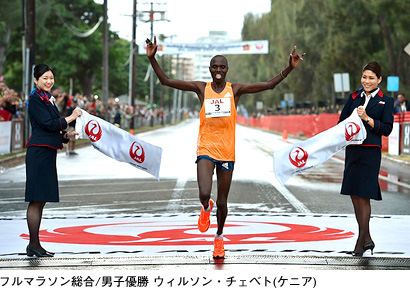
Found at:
<point>312,152</point>
<point>5,137</point>
<point>119,144</point>
<point>242,47</point>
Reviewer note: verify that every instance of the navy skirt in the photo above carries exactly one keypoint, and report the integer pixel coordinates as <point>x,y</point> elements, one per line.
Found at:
<point>361,174</point>
<point>41,174</point>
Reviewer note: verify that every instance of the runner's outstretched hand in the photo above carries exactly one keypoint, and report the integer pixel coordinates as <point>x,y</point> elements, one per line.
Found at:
<point>151,47</point>
<point>295,58</point>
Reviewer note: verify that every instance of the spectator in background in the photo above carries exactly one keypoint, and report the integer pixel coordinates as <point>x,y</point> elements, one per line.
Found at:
<point>5,115</point>
<point>100,109</point>
<point>72,104</point>
<point>3,87</point>
<point>9,102</point>
<point>91,106</point>
<point>396,108</point>
<point>117,117</point>
<point>62,103</point>
<point>404,104</point>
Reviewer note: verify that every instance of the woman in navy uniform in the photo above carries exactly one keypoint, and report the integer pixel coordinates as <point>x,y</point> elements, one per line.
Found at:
<point>362,162</point>
<point>47,137</point>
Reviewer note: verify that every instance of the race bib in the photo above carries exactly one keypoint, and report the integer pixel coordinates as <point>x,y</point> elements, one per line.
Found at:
<point>217,107</point>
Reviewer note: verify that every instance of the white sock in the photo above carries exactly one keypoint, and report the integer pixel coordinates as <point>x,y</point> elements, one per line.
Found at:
<point>219,236</point>
<point>207,209</point>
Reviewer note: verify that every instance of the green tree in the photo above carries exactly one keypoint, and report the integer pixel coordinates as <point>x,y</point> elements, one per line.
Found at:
<point>337,35</point>
<point>10,12</point>
<point>78,58</point>
<point>69,55</point>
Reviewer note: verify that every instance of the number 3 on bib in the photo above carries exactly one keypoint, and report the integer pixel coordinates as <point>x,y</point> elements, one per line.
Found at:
<point>217,107</point>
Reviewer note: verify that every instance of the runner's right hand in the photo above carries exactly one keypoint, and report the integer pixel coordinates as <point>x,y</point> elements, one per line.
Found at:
<point>151,47</point>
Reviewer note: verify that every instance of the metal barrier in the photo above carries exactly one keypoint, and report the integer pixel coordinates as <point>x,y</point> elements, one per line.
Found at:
<point>312,124</point>
<point>11,136</point>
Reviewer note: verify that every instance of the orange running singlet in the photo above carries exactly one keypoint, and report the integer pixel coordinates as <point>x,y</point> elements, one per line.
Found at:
<point>217,119</point>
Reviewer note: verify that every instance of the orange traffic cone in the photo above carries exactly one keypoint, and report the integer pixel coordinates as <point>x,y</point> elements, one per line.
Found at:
<point>285,135</point>
<point>132,131</point>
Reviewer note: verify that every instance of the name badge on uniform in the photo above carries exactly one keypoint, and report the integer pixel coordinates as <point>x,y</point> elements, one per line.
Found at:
<point>53,101</point>
<point>217,107</point>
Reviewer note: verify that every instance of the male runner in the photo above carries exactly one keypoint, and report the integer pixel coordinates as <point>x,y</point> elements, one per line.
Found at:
<point>216,139</point>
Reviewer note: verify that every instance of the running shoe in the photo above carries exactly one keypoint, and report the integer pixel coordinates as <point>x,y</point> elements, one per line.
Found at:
<point>204,221</point>
<point>219,251</point>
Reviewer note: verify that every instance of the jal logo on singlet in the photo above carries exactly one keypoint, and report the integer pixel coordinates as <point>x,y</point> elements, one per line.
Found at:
<point>298,157</point>
<point>351,129</point>
<point>137,152</point>
<point>93,130</point>
<point>217,107</point>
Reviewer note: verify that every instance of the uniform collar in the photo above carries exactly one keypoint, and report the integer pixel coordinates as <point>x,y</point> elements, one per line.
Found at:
<point>373,93</point>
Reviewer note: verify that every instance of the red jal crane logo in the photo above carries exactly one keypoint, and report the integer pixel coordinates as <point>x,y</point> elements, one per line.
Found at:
<point>137,153</point>
<point>93,130</point>
<point>351,129</point>
<point>298,157</point>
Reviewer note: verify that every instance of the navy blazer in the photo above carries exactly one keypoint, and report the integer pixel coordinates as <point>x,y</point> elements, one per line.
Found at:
<point>46,123</point>
<point>380,109</point>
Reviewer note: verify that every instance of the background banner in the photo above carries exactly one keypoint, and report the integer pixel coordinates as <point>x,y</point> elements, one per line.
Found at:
<point>241,47</point>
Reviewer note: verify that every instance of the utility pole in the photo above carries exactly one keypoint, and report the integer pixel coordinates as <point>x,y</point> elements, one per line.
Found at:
<point>105,61</point>
<point>151,20</point>
<point>151,78</point>
<point>29,42</point>
<point>133,58</point>
<point>30,32</point>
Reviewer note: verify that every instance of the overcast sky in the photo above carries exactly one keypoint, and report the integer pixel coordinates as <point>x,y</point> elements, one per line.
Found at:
<point>189,19</point>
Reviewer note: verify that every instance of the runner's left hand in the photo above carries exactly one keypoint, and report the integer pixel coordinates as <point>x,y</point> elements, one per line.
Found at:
<point>295,58</point>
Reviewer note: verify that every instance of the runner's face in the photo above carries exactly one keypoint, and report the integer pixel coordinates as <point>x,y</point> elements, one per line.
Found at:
<point>45,81</point>
<point>370,80</point>
<point>218,69</point>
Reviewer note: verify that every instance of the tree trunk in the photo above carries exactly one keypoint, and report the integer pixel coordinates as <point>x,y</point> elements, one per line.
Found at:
<point>4,42</point>
<point>389,44</point>
<point>86,82</point>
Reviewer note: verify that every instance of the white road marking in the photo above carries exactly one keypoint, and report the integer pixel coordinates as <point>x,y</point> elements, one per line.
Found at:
<point>296,203</point>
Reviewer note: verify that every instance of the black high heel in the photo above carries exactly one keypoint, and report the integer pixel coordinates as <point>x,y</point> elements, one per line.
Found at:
<point>370,246</point>
<point>32,252</point>
<point>355,254</point>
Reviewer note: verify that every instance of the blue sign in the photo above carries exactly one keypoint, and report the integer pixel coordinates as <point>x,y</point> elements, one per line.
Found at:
<point>283,104</point>
<point>392,84</point>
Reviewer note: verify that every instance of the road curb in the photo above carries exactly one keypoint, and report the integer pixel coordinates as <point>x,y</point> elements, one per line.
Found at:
<point>149,262</point>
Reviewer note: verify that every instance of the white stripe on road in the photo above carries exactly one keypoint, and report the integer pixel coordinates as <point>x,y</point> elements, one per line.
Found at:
<point>179,188</point>
<point>176,196</point>
<point>296,203</point>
